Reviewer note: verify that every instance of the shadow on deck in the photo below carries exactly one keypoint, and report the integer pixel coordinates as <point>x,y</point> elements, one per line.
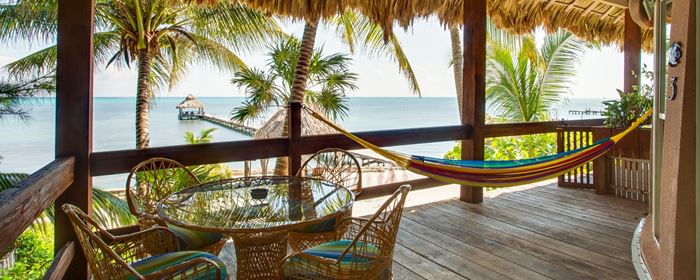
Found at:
<point>526,232</point>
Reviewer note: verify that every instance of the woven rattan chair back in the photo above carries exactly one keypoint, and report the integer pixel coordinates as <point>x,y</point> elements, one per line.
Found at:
<point>381,229</point>
<point>152,181</point>
<point>102,260</point>
<point>336,166</point>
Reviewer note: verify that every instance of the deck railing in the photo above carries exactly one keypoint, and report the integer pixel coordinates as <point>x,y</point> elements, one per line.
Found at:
<point>571,138</point>
<point>22,204</point>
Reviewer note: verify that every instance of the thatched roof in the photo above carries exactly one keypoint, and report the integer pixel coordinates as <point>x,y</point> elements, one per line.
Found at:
<point>274,126</point>
<point>601,20</point>
<point>190,102</point>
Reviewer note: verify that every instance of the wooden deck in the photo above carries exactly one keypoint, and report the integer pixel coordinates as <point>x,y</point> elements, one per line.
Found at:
<point>526,232</point>
<point>529,232</point>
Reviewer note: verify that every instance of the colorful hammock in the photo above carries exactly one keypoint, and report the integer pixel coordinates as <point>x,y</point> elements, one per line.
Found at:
<point>504,173</point>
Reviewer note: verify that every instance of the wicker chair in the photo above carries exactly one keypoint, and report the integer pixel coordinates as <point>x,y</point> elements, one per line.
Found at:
<point>336,166</point>
<point>365,253</point>
<point>134,256</point>
<point>152,181</point>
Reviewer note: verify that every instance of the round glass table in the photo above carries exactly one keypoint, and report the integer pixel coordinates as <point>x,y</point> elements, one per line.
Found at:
<point>258,213</point>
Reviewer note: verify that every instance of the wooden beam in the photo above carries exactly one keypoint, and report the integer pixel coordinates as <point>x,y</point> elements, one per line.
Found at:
<point>115,162</point>
<point>385,138</point>
<point>22,204</point>
<point>60,263</point>
<point>514,129</point>
<point>74,117</point>
<point>474,86</point>
<point>633,53</point>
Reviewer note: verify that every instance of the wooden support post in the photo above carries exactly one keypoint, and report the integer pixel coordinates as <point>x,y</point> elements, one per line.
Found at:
<point>474,86</point>
<point>602,166</point>
<point>633,53</point>
<point>294,137</point>
<point>74,117</point>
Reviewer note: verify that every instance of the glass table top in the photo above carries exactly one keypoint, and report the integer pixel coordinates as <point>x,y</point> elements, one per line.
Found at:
<point>254,204</point>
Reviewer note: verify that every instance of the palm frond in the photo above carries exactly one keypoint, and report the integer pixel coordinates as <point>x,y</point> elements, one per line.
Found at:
<point>33,21</point>
<point>357,30</point>
<point>43,61</point>
<point>234,25</point>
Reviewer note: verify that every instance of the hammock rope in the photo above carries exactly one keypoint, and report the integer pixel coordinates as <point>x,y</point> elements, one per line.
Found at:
<point>504,173</point>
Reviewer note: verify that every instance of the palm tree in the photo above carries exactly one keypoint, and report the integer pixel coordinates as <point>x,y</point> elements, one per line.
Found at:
<point>205,136</point>
<point>163,37</point>
<point>527,83</point>
<point>329,80</point>
<point>494,35</point>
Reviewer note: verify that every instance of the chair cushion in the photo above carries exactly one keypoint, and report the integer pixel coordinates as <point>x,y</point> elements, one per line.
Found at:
<point>332,250</point>
<point>165,261</point>
<point>191,239</point>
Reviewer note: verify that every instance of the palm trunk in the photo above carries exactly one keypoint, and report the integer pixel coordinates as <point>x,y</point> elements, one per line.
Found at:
<point>282,163</point>
<point>457,64</point>
<point>301,73</point>
<point>301,76</point>
<point>143,95</point>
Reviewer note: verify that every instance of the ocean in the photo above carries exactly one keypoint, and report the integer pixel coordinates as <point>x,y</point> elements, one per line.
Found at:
<point>27,146</point>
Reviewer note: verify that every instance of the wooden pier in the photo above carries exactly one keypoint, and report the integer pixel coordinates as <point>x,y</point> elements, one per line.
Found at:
<point>193,109</point>
<point>229,124</point>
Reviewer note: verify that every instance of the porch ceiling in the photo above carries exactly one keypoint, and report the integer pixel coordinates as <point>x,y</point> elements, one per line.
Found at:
<point>601,20</point>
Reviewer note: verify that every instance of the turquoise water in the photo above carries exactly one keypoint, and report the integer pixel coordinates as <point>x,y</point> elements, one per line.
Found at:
<point>26,147</point>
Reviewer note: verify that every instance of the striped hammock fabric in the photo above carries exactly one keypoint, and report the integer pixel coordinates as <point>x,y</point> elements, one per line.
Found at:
<point>495,174</point>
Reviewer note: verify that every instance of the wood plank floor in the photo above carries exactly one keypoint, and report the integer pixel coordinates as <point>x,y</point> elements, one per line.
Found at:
<point>525,232</point>
<point>528,232</point>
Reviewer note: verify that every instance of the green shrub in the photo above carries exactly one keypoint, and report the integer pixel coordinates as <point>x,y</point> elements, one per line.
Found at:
<point>631,105</point>
<point>33,255</point>
<point>513,147</point>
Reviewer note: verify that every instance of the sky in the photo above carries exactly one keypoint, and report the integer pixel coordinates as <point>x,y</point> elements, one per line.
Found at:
<point>426,44</point>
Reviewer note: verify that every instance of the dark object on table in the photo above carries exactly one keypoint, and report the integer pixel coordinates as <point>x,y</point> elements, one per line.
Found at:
<point>258,193</point>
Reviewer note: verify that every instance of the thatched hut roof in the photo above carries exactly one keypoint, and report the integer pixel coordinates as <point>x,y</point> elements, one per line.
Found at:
<point>601,20</point>
<point>274,126</point>
<point>190,102</point>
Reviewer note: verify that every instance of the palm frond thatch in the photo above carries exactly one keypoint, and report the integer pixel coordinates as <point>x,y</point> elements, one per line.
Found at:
<point>602,21</point>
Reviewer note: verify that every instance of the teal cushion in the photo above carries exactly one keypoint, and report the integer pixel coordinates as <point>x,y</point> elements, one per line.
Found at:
<point>161,262</point>
<point>191,239</point>
<point>332,250</point>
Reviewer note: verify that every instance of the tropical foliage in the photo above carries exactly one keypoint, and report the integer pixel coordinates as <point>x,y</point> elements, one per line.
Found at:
<point>357,31</point>
<point>330,80</point>
<point>15,95</point>
<point>208,172</point>
<point>526,83</point>
<point>631,105</point>
<point>33,255</point>
<point>513,147</point>
<point>163,37</point>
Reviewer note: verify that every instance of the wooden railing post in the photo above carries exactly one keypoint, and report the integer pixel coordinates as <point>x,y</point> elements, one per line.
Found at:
<point>294,137</point>
<point>74,118</point>
<point>474,87</point>
<point>633,53</point>
<point>601,166</point>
